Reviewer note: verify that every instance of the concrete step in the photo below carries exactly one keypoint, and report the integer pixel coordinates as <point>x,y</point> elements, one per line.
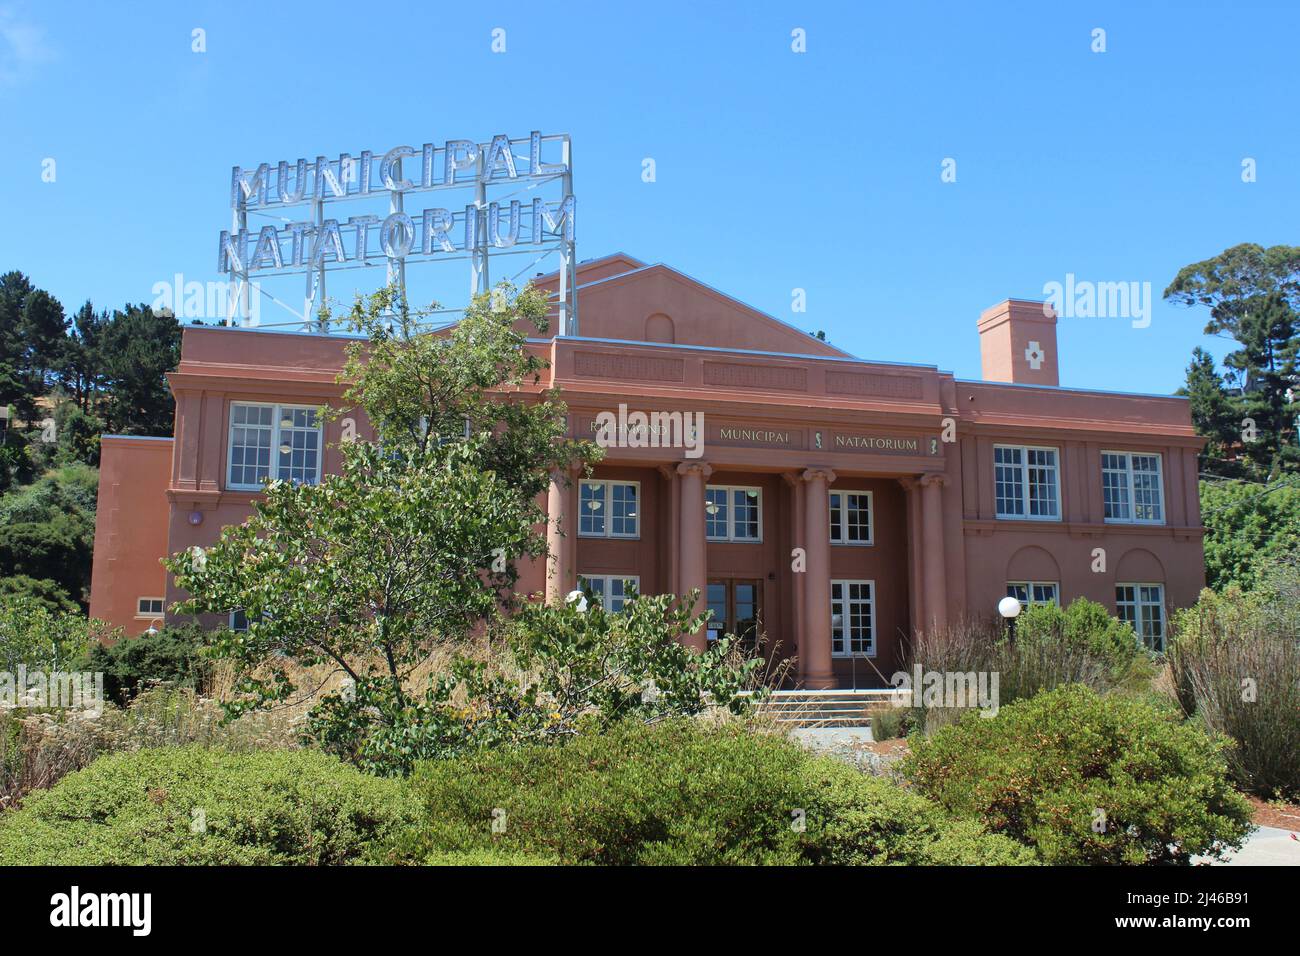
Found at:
<point>827,708</point>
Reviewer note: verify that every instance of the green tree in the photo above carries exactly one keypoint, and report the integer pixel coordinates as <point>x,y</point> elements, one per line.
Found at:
<point>1253,294</point>
<point>78,433</point>
<point>1248,527</point>
<point>57,549</point>
<point>47,532</point>
<point>415,542</point>
<point>48,594</point>
<point>139,347</point>
<point>81,363</point>
<point>16,465</point>
<point>43,329</point>
<point>14,290</point>
<point>1215,416</point>
<point>33,636</point>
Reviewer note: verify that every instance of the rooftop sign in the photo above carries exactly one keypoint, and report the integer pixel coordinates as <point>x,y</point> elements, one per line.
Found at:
<point>339,228</point>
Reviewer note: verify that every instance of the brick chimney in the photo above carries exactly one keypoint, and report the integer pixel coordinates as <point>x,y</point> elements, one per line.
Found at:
<point>1018,343</point>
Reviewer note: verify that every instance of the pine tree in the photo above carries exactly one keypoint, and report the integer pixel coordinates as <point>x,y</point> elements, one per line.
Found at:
<point>139,347</point>
<point>1253,295</point>
<point>81,364</point>
<point>43,329</point>
<point>1215,415</point>
<point>14,289</point>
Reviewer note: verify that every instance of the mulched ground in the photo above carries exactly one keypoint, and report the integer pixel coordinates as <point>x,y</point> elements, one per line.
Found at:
<point>886,748</point>
<point>1283,815</point>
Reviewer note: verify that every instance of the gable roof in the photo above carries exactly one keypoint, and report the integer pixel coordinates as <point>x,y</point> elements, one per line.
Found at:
<point>619,297</point>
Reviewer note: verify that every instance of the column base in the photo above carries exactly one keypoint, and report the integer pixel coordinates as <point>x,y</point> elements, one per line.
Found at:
<point>817,681</point>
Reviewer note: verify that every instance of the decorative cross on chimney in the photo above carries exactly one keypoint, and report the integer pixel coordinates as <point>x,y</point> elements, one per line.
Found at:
<point>1016,328</point>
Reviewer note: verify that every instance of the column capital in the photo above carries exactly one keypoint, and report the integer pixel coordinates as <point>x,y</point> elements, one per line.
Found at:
<point>818,474</point>
<point>566,473</point>
<point>703,469</point>
<point>792,478</point>
<point>668,471</point>
<point>933,479</point>
<point>908,482</point>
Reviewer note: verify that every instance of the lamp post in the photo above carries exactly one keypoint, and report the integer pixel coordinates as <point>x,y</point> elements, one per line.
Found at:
<point>151,630</point>
<point>1009,608</point>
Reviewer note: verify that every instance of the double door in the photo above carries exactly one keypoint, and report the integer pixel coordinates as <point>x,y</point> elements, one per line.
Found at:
<point>737,608</point>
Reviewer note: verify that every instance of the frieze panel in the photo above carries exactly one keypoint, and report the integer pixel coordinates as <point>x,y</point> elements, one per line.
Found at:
<point>640,368</point>
<point>733,375</point>
<point>873,385</point>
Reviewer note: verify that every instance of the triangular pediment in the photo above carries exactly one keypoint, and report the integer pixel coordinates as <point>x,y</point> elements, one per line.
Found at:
<point>624,299</point>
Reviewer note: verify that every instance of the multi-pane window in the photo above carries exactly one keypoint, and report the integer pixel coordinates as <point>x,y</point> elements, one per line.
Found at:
<point>733,513</point>
<point>609,509</point>
<point>273,441</point>
<point>149,607</point>
<point>1025,482</point>
<point>611,590</point>
<point>853,631</point>
<point>850,517</point>
<point>1143,606</point>
<point>1131,487</point>
<point>717,514</point>
<point>1034,592</point>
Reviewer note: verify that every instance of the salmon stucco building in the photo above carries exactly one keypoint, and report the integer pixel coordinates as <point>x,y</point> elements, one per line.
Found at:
<point>832,504</point>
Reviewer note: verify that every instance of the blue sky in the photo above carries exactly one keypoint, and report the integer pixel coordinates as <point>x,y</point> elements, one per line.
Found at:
<point>775,170</point>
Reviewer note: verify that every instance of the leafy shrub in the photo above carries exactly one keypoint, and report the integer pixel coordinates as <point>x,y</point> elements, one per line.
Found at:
<point>72,490</point>
<point>487,857</point>
<point>1246,532</point>
<point>892,723</point>
<point>48,594</point>
<point>1086,779</point>
<point>679,792</point>
<point>196,806</point>
<point>1085,625</point>
<point>1052,646</point>
<point>47,532</point>
<point>33,636</point>
<point>1235,662</point>
<point>173,654</point>
<point>78,435</point>
<point>16,465</point>
<point>40,747</point>
<point>559,665</point>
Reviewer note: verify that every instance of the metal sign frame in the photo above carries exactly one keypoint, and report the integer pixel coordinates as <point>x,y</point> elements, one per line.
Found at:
<point>293,245</point>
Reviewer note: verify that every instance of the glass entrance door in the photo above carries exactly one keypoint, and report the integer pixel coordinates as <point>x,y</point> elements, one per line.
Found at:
<point>736,604</point>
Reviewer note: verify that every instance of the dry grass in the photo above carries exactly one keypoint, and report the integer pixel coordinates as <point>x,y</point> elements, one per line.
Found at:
<point>38,748</point>
<point>1242,678</point>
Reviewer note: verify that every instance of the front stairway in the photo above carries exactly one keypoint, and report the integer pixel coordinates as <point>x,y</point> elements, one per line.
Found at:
<point>797,709</point>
